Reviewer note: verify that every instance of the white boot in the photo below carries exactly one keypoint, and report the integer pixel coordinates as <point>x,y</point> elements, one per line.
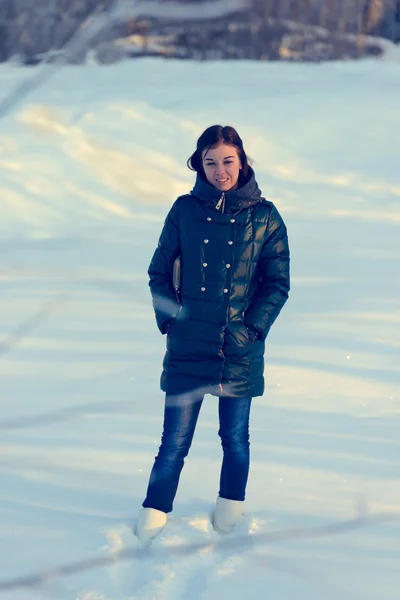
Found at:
<point>227,514</point>
<point>149,524</point>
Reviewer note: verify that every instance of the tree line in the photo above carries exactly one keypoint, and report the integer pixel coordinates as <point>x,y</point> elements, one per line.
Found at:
<point>31,28</point>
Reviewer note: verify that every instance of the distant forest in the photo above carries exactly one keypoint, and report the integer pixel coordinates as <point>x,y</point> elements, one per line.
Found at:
<point>264,29</point>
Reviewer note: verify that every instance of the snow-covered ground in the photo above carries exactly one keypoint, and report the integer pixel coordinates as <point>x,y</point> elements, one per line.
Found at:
<point>90,164</point>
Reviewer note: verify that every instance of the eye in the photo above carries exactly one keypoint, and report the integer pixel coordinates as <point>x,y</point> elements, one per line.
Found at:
<point>228,162</point>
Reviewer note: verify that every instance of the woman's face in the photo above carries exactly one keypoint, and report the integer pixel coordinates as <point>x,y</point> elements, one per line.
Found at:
<point>221,165</point>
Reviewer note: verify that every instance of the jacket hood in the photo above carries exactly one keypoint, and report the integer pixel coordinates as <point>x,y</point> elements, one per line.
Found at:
<point>232,201</point>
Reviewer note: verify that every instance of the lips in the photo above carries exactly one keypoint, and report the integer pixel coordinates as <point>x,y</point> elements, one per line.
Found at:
<point>221,180</point>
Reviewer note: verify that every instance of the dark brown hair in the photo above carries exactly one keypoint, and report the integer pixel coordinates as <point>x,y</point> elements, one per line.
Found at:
<point>217,134</point>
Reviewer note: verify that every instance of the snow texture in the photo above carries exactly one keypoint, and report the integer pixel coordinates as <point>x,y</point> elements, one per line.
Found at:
<point>90,164</point>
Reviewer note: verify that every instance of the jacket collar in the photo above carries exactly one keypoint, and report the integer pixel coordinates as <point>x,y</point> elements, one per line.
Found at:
<point>233,201</point>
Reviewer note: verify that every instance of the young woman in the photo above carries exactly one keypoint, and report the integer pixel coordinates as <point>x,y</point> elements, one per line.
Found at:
<point>232,248</point>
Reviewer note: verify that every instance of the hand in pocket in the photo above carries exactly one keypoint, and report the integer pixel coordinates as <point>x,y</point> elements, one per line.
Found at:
<point>253,333</point>
<point>169,326</point>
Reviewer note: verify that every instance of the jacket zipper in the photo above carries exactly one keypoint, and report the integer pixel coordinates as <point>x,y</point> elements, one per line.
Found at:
<point>221,203</point>
<point>221,389</point>
<point>221,206</point>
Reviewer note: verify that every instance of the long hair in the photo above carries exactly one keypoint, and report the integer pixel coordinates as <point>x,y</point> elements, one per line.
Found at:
<point>217,134</point>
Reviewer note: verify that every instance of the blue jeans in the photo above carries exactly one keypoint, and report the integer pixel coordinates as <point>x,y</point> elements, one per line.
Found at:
<point>180,418</point>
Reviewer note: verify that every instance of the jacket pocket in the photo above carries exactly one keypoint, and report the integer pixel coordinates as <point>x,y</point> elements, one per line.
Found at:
<point>177,278</point>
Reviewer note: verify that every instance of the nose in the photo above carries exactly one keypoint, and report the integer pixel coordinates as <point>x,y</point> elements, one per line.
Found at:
<point>220,170</point>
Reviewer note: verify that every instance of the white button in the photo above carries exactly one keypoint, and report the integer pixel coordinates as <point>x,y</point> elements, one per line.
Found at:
<point>205,264</point>
<point>226,291</point>
<point>208,218</point>
<point>232,220</point>
<point>203,289</point>
<point>230,242</point>
<point>228,266</point>
<point>206,241</point>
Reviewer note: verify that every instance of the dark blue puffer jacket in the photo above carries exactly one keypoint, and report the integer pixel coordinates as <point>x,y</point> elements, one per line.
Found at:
<point>234,273</point>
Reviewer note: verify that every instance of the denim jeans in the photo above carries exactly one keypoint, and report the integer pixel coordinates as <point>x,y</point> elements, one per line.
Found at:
<point>180,418</point>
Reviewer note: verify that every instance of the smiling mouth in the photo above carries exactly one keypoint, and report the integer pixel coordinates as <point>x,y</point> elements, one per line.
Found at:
<point>221,180</point>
